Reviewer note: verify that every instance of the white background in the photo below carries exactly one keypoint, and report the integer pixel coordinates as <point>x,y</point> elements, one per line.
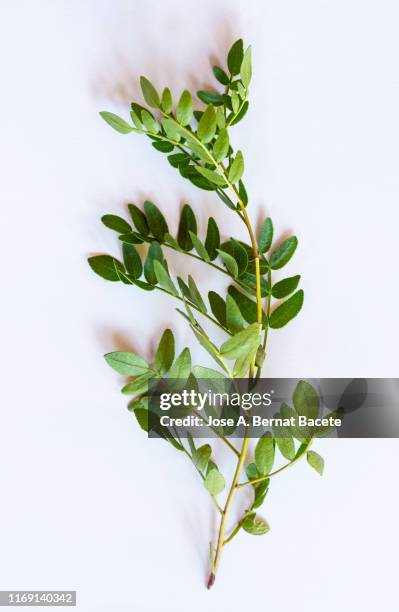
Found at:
<point>87,502</point>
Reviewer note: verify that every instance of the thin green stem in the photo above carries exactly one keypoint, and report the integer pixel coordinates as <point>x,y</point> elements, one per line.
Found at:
<point>284,467</point>
<point>225,440</point>
<point>220,510</point>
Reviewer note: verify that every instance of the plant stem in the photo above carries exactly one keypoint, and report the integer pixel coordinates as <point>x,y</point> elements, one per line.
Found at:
<point>284,467</point>
<point>225,440</point>
<point>229,500</point>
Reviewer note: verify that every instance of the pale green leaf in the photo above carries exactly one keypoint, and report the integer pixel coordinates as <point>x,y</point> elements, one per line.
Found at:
<point>126,363</point>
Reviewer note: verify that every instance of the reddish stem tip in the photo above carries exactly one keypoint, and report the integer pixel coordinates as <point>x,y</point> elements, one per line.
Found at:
<point>211,581</point>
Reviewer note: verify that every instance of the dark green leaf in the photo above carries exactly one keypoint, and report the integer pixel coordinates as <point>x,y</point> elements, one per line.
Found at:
<point>132,238</point>
<point>286,311</point>
<point>220,75</point>
<point>232,120</point>
<point>306,400</point>
<point>218,307</point>
<point>212,240</point>
<point>315,461</point>
<point>132,260</point>
<point>265,235</point>
<point>187,224</point>
<point>149,92</point>
<point>168,239</point>
<point>139,219</point>
<point>234,318</point>
<point>283,253</point>
<point>105,266</point>
<point>154,253</point>
<point>116,223</point>
<point>128,364</point>
<point>164,147</point>
<point>207,125</point>
<point>235,57</point>
<point>116,122</point>
<point>247,306</point>
<point>285,287</point>
<point>165,352</point>
<point>210,97</point>
<point>242,192</point>
<point>184,111</point>
<point>255,525</point>
<point>156,220</point>
<point>238,252</point>
<point>264,454</point>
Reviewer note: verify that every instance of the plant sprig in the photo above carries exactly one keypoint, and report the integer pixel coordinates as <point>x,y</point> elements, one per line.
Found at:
<point>197,144</point>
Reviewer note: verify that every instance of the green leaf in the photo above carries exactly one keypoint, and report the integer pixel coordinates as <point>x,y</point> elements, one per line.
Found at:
<point>139,385</point>
<point>235,57</point>
<point>214,482</point>
<point>116,122</point>
<point>286,311</point>
<point>232,120</point>
<point>172,130</point>
<point>210,97</point>
<point>140,409</point>
<point>205,373</point>
<point>237,168</point>
<point>168,239</point>
<point>149,93</point>
<point>306,400</point>
<point>283,253</point>
<point>220,75</point>
<point>315,461</point>
<point>234,318</point>
<point>164,147</point>
<point>195,294</point>
<point>154,253</point>
<point>264,454</point>
<point>238,252</point>
<point>182,366</point>
<point>246,67</point>
<point>207,125</point>
<point>265,235</point>
<point>212,176</point>
<point>255,525</point>
<point>139,219</point>
<point>132,260</point>
<point>137,122</point>
<point>285,287</point>
<point>202,456</point>
<point>218,307</point>
<point>163,278</point>
<point>220,118</point>
<point>132,238</point>
<point>187,224</point>
<point>116,223</point>
<point>229,262</point>
<point>235,101</point>
<point>284,441</point>
<point>221,146</point>
<point>241,343</point>
<point>128,364</point>
<point>165,352</point>
<point>199,247</point>
<point>166,101</point>
<point>149,122</point>
<point>248,307</point>
<point>156,220</point>
<point>105,266</point>
<point>212,240</point>
<point>184,110</point>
